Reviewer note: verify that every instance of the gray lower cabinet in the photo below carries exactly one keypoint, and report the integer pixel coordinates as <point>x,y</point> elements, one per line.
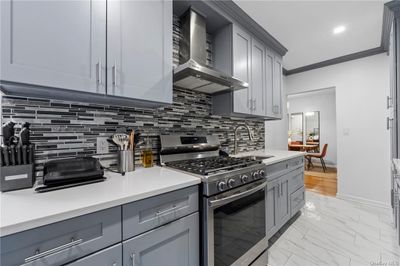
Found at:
<point>272,207</point>
<point>63,242</point>
<point>144,215</point>
<point>58,44</point>
<point>111,256</point>
<point>161,230</point>
<point>139,61</point>
<point>173,244</point>
<point>285,192</point>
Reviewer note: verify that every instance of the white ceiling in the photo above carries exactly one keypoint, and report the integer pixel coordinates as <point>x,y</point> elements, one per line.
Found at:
<point>305,27</point>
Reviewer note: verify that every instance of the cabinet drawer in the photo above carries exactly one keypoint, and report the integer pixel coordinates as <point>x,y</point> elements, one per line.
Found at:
<point>63,242</point>
<point>296,180</point>
<point>173,244</point>
<point>144,215</point>
<point>111,256</point>
<point>297,201</point>
<point>281,168</point>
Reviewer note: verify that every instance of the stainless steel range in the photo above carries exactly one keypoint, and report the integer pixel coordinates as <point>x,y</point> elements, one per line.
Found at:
<point>233,202</point>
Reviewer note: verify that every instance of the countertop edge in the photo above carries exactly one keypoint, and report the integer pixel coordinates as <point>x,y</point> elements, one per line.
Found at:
<point>20,227</point>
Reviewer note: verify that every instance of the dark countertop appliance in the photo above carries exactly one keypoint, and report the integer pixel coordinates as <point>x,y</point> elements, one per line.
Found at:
<point>65,173</point>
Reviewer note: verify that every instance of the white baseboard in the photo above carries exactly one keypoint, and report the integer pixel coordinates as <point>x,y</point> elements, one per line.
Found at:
<point>364,201</point>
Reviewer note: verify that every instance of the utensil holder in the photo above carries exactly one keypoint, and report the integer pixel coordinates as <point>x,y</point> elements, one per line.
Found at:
<point>126,160</point>
<point>16,177</point>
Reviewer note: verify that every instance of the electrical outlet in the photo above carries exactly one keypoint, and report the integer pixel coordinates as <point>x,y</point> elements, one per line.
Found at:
<point>102,145</point>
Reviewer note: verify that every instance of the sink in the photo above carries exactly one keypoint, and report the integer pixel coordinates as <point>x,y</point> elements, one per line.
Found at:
<point>260,157</point>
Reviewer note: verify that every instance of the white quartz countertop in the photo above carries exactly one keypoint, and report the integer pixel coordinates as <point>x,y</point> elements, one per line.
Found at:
<point>25,209</point>
<point>396,164</point>
<point>278,155</point>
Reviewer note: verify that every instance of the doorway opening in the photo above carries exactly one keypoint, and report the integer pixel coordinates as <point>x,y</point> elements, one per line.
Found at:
<point>312,129</point>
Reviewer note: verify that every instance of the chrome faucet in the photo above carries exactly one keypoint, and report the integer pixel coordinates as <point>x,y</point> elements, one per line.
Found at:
<point>235,151</point>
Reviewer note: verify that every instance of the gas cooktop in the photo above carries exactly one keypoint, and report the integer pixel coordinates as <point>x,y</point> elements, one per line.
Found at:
<point>212,165</point>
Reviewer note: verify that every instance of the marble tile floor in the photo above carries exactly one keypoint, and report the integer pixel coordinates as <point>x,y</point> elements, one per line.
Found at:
<point>331,231</point>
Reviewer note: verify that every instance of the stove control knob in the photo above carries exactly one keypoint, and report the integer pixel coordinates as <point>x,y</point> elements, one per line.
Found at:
<point>231,183</point>
<point>221,185</point>
<point>244,178</point>
<point>255,175</point>
<point>262,173</point>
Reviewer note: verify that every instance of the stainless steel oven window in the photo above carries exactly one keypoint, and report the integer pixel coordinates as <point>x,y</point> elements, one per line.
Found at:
<point>235,226</point>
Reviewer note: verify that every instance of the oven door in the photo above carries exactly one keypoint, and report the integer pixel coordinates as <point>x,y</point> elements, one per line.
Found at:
<point>234,227</point>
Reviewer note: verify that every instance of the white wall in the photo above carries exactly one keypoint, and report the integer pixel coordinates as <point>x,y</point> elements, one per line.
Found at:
<point>323,101</point>
<point>363,157</point>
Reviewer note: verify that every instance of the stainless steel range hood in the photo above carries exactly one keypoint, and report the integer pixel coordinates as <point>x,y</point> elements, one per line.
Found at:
<point>193,73</point>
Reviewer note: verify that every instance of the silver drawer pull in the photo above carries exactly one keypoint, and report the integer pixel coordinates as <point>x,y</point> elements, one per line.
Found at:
<point>158,213</point>
<point>53,250</point>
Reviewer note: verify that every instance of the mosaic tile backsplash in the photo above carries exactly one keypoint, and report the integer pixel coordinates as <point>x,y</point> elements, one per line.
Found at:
<point>63,129</point>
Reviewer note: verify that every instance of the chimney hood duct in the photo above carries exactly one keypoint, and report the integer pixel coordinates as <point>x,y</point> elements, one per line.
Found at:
<point>193,73</point>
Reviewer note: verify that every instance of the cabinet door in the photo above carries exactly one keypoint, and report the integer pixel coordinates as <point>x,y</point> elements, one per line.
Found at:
<point>277,87</point>
<point>257,78</point>
<point>58,44</point>
<point>174,244</point>
<point>241,69</point>
<point>139,49</point>
<point>111,256</point>
<point>272,208</point>
<point>269,83</point>
<point>284,201</point>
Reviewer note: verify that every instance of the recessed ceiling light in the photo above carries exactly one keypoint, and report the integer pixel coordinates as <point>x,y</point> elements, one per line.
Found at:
<point>339,29</point>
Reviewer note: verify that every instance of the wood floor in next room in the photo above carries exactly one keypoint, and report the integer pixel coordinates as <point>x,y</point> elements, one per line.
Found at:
<point>325,183</point>
<point>331,231</point>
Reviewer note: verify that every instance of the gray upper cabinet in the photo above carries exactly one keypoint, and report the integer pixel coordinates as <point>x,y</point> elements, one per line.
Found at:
<point>54,43</point>
<point>241,69</point>
<point>257,78</point>
<point>277,88</point>
<point>139,49</point>
<point>174,244</point>
<point>255,64</point>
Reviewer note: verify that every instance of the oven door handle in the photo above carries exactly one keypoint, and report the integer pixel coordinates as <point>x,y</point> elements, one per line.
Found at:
<point>220,202</point>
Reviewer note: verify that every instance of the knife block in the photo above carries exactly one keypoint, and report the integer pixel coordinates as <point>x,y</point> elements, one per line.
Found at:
<point>16,177</point>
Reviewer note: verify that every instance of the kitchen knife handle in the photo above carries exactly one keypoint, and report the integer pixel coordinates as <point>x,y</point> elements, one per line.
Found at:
<point>18,153</point>
<point>24,154</point>
<point>13,160</point>
<point>6,156</point>
<point>31,154</point>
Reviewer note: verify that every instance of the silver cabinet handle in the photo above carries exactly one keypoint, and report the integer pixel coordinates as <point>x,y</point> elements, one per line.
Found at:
<point>39,254</point>
<point>173,209</point>
<point>275,109</point>
<point>279,189</point>
<point>114,74</point>
<point>98,74</point>
<point>255,105</point>
<point>388,122</point>
<point>388,102</point>
<point>250,104</point>
<point>133,258</point>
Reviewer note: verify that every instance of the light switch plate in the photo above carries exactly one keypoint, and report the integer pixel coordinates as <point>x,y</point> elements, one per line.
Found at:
<point>102,145</point>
